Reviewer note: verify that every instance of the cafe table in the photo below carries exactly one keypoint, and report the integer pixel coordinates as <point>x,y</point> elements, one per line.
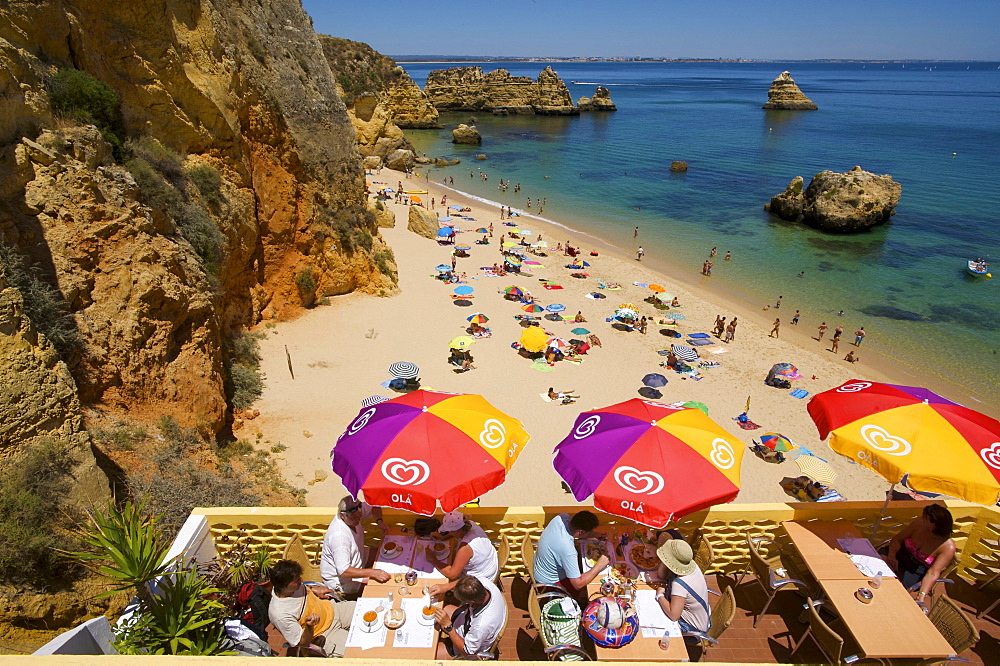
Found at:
<point>891,625</point>
<point>413,640</point>
<point>642,648</point>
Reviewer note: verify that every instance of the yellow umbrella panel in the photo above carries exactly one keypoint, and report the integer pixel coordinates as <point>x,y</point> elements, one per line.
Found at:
<point>534,339</point>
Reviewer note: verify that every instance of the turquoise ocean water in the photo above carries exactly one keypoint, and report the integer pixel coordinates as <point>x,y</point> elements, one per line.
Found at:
<point>904,282</point>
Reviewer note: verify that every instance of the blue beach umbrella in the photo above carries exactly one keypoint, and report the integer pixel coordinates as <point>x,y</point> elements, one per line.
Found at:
<point>463,247</point>
<point>442,268</point>
<point>464,290</point>
<point>444,232</point>
<point>555,307</point>
<point>580,331</point>
<point>444,219</point>
<point>455,207</point>
<point>654,380</point>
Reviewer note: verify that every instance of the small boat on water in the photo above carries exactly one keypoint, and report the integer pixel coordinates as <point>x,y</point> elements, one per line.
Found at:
<point>979,267</point>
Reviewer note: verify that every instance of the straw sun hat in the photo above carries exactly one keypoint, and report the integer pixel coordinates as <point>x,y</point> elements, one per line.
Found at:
<point>676,555</point>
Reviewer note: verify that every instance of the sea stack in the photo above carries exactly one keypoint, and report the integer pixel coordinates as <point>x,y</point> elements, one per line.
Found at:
<point>785,95</point>
<point>466,134</point>
<point>839,202</point>
<point>601,101</point>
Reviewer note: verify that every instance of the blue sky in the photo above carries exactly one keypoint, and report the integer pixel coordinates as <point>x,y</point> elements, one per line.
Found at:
<point>766,29</point>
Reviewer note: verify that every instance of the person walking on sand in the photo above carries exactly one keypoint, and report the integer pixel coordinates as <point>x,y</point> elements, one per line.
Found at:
<point>774,331</point>
<point>719,325</point>
<point>639,253</point>
<point>837,332</point>
<point>834,343</point>
<point>795,318</point>
<point>822,331</point>
<point>859,336</point>
<point>731,331</point>
<point>642,325</point>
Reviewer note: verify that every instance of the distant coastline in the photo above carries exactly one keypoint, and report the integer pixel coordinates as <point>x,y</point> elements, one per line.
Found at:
<point>444,59</point>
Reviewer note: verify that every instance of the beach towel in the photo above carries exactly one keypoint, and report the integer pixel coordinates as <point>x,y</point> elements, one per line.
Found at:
<point>698,335</point>
<point>545,397</point>
<point>747,425</point>
<point>698,342</point>
<point>677,317</point>
<point>641,284</point>
<point>717,350</point>
<point>552,286</point>
<point>542,367</point>
<point>799,393</point>
<point>794,375</point>
<point>709,364</point>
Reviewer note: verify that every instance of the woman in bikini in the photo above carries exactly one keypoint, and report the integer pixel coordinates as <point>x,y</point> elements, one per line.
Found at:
<point>923,549</point>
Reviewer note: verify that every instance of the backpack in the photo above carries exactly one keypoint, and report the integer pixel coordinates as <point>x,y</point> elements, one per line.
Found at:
<point>251,605</point>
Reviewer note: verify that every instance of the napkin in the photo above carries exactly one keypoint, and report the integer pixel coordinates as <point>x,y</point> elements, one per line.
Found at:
<point>358,635</point>
<point>652,620</point>
<point>414,634</point>
<point>865,557</point>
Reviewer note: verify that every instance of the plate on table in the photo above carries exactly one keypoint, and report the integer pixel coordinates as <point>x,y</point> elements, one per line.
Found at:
<point>592,550</point>
<point>391,554</point>
<point>643,556</point>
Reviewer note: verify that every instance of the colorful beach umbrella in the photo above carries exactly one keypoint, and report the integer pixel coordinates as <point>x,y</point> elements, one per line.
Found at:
<point>941,446</point>
<point>628,306</point>
<point>534,339</point>
<point>532,308</point>
<point>580,331</point>
<point>816,469</point>
<point>424,447</point>
<point>462,342</point>
<point>783,369</point>
<point>478,318</point>
<point>404,370</point>
<point>649,462</point>
<point>626,313</point>
<point>557,343</point>
<point>776,442</point>
<point>463,290</point>
<point>446,222</point>
<point>513,290</point>
<point>482,230</point>
<point>555,307</point>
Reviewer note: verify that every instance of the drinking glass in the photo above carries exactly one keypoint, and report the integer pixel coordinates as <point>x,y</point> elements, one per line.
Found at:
<point>665,641</point>
<point>398,577</point>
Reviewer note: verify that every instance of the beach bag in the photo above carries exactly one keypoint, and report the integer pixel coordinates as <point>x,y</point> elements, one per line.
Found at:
<point>251,604</point>
<point>561,624</point>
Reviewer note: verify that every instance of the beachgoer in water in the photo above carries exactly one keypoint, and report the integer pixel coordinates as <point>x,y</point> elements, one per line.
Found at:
<point>822,331</point>
<point>729,255</point>
<point>635,234</point>
<point>708,269</point>
<point>837,332</point>
<point>802,274</point>
<point>795,319</point>
<point>639,253</point>
<point>840,314</point>
<point>774,331</point>
<point>778,303</point>
<point>713,252</point>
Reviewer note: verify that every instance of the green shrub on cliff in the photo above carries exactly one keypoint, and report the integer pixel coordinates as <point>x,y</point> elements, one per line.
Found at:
<point>244,382</point>
<point>78,95</point>
<point>208,181</point>
<point>32,521</point>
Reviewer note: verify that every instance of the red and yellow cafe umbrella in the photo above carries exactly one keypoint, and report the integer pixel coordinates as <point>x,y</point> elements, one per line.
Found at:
<point>941,446</point>
<point>650,462</point>
<point>426,447</point>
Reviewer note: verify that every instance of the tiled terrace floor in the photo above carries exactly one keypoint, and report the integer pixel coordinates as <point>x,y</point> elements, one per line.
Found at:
<point>769,642</point>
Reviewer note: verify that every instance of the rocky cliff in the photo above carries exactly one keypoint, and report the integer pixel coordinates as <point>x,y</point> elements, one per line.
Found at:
<point>469,89</point>
<point>381,97</point>
<point>601,101</point>
<point>839,202</point>
<point>784,94</point>
<point>158,268</point>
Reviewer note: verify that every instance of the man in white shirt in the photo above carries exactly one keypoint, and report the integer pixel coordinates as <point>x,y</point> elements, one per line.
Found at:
<point>305,615</point>
<point>474,552</point>
<point>474,625</point>
<point>341,564</point>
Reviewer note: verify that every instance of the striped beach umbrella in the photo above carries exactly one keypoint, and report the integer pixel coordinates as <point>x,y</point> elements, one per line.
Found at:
<point>776,442</point>
<point>684,353</point>
<point>373,400</point>
<point>404,370</point>
<point>816,469</point>
<point>464,248</point>
<point>446,222</point>
<point>628,306</point>
<point>513,290</point>
<point>557,343</point>
<point>532,308</point>
<point>478,318</point>
<point>425,448</point>
<point>541,245</point>
<point>626,313</point>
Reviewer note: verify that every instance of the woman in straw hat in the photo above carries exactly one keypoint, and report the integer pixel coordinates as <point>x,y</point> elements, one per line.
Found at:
<point>684,595</point>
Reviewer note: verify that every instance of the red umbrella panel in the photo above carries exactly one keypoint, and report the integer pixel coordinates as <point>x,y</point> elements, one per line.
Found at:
<point>427,447</point>
<point>650,462</point>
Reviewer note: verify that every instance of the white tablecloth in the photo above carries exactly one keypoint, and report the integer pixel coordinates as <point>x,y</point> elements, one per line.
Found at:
<point>652,620</point>
<point>414,634</point>
<point>360,635</point>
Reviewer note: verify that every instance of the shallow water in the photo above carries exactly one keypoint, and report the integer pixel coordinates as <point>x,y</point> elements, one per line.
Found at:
<point>905,282</point>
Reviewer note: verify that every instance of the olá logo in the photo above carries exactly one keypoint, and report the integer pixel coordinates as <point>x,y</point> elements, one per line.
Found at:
<point>638,481</point>
<point>361,421</point>
<point>405,472</point>
<point>493,434</point>
<point>586,427</point>
<point>991,455</point>
<point>853,387</point>
<point>879,438</point>
<point>722,455</point>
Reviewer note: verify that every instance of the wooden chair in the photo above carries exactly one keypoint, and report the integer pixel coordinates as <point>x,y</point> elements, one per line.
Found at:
<point>503,554</point>
<point>771,572</point>
<point>704,555</point>
<point>295,550</point>
<point>829,641</point>
<point>528,556</point>
<point>954,625</point>
<point>722,617</point>
<point>494,651</point>
<point>986,583</point>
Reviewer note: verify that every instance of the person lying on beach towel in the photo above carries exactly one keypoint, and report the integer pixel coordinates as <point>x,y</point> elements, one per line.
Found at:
<point>563,395</point>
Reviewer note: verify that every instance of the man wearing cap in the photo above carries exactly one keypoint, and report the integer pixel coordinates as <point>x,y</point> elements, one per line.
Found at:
<point>684,597</point>
<point>473,625</point>
<point>557,561</point>
<point>474,553</point>
<point>341,562</point>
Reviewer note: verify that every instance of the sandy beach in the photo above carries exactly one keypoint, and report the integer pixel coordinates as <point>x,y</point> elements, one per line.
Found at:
<point>340,354</point>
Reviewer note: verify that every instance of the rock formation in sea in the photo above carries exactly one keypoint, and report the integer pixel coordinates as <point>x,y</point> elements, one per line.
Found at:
<point>678,166</point>
<point>601,101</point>
<point>467,135</point>
<point>839,202</point>
<point>380,96</point>
<point>784,94</point>
<point>469,89</point>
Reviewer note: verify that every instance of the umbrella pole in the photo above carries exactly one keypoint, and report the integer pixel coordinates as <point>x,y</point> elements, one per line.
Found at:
<point>885,507</point>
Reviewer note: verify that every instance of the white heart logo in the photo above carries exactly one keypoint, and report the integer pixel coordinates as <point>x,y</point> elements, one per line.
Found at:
<point>722,455</point>
<point>880,439</point>
<point>991,455</point>
<point>361,421</point>
<point>853,387</point>
<point>638,482</point>
<point>586,427</point>
<point>493,434</point>
<point>405,472</point>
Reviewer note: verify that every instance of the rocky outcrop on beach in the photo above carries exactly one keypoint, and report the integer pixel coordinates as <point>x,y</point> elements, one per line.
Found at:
<point>601,101</point>
<point>839,202</point>
<point>465,134</point>
<point>228,165</point>
<point>469,89</point>
<point>401,160</point>
<point>784,94</point>
<point>422,222</point>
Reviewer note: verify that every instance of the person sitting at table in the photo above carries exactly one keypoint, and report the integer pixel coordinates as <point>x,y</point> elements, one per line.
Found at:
<point>305,615</point>
<point>474,553</point>
<point>557,561</point>
<point>922,550</point>
<point>341,563</point>
<point>684,596</point>
<point>472,626</point>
